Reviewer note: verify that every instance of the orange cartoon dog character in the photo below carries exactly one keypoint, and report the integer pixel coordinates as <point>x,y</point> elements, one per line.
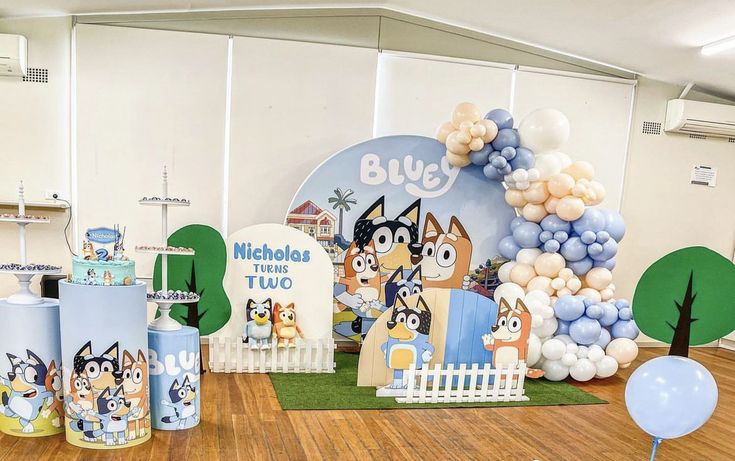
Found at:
<point>445,256</point>
<point>135,387</point>
<point>285,328</point>
<point>508,340</point>
<point>54,385</point>
<point>362,275</point>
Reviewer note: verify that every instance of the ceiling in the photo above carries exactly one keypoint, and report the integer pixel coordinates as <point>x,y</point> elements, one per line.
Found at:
<point>656,38</point>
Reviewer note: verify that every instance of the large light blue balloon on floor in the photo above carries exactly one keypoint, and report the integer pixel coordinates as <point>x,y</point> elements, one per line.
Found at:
<point>671,396</point>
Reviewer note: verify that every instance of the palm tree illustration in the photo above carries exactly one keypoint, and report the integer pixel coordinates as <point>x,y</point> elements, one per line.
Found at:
<point>342,201</point>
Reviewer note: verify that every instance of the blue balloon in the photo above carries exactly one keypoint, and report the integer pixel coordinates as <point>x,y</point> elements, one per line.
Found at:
<point>609,314</point>
<point>614,224</point>
<point>561,236</point>
<point>562,327</point>
<point>554,223</point>
<point>524,159</point>
<point>585,330</point>
<point>670,396</point>
<point>588,237</point>
<point>609,264</point>
<point>569,308</point>
<point>592,220</point>
<point>574,249</point>
<point>545,236</point>
<point>604,338</point>
<point>621,303</point>
<point>492,173</point>
<point>501,117</point>
<point>480,157</point>
<point>508,248</point>
<point>608,251</point>
<point>625,329</point>
<point>594,311</point>
<point>580,267</point>
<point>498,162</point>
<point>527,235</point>
<point>517,221</point>
<point>551,246</point>
<point>505,138</point>
<point>508,153</point>
<point>626,313</point>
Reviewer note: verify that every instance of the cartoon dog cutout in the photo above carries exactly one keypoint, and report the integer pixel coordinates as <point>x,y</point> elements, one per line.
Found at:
<point>135,387</point>
<point>392,237</point>
<point>102,371</point>
<point>444,256</point>
<point>399,285</point>
<point>80,402</point>
<point>285,329</point>
<point>182,401</point>
<point>53,384</point>
<point>113,412</point>
<point>408,339</point>
<point>28,391</point>
<point>259,323</point>
<point>508,340</point>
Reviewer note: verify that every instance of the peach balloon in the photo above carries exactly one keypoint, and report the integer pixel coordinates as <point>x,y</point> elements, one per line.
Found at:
<point>560,185</point>
<point>521,274</point>
<point>478,130</point>
<point>558,283</point>
<point>579,170</point>
<point>444,130</point>
<point>454,144</point>
<point>549,264</point>
<point>465,112</point>
<point>514,198</point>
<point>599,190</point>
<point>570,208</point>
<point>533,213</point>
<point>462,137</point>
<point>504,271</point>
<point>491,130</point>
<point>574,284</point>
<point>476,144</point>
<point>458,160</point>
<point>536,192</point>
<point>607,294</point>
<point>540,283</point>
<point>590,293</point>
<point>598,278</point>
<point>563,292</point>
<point>550,204</point>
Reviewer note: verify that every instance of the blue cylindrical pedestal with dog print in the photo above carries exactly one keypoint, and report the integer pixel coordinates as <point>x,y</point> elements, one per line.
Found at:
<point>31,398</point>
<point>174,358</point>
<point>104,349</point>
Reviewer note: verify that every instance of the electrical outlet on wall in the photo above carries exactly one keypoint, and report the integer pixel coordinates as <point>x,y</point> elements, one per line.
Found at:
<point>50,193</point>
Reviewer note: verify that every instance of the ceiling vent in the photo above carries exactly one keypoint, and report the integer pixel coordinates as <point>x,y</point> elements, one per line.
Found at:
<point>651,128</point>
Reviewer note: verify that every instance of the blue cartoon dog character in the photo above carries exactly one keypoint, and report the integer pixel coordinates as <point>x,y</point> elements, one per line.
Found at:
<point>408,339</point>
<point>259,326</point>
<point>182,401</point>
<point>28,391</point>
<point>113,412</point>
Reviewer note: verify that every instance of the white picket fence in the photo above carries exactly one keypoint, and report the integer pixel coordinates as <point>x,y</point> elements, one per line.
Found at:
<point>231,355</point>
<point>463,384</point>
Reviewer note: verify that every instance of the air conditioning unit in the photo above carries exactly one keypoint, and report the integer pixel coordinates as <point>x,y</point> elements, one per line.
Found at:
<point>705,118</point>
<point>13,55</point>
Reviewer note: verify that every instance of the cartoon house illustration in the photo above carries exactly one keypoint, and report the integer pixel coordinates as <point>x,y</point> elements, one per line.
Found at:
<point>318,223</point>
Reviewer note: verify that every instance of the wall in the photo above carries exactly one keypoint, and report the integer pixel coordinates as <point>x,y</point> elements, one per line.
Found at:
<point>35,134</point>
<point>662,211</point>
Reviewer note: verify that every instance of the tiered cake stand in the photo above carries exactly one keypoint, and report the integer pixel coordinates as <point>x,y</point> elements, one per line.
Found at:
<point>24,271</point>
<point>165,298</point>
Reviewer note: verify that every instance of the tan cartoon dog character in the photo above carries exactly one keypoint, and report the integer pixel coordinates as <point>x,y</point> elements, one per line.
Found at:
<point>508,340</point>
<point>54,385</point>
<point>362,279</point>
<point>285,329</point>
<point>80,401</point>
<point>445,256</point>
<point>135,387</point>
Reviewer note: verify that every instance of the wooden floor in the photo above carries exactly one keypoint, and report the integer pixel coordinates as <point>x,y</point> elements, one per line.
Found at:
<point>242,420</point>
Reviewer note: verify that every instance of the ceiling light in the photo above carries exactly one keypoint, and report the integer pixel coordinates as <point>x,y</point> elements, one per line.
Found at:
<point>718,46</point>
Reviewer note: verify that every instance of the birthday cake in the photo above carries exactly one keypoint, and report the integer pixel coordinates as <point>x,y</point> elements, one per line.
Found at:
<point>97,265</point>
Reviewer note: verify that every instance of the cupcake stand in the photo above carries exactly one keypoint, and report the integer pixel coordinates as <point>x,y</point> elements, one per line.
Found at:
<point>30,356</point>
<point>174,349</point>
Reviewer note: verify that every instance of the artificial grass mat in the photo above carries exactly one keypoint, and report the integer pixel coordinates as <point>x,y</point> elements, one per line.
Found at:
<point>338,391</point>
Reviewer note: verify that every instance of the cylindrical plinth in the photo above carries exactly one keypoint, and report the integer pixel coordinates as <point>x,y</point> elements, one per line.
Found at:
<point>31,399</point>
<point>104,349</point>
<point>175,383</point>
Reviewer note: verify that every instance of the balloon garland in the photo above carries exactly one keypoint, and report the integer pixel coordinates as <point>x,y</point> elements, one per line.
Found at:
<point>561,250</point>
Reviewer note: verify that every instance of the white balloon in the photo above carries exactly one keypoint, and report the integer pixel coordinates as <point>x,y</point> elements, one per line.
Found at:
<point>623,350</point>
<point>566,339</point>
<point>553,349</point>
<point>547,328</point>
<point>595,353</point>
<point>534,350</point>
<point>504,271</point>
<point>528,256</point>
<point>537,297</point>
<point>583,370</point>
<point>565,159</point>
<point>544,130</point>
<point>572,348</point>
<point>606,367</point>
<point>547,166</point>
<point>569,359</point>
<point>554,370</point>
<point>509,291</point>
<point>583,352</point>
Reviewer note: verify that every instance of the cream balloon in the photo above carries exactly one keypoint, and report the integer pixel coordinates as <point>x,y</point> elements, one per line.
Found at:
<point>465,112</point>
<point>590,293</point>
<point>455,144</point>
<point>514,198</point>
<point>539,283</point>
<point>549,264</point>
<point>536,192</point>
<point>521,274</point>
<point>458,160</point>
<point>528,255</point>
<point>565,159</point>
<point>478,130</point>
<point>623,350</point>
<point>533,213</point>
<point>504,271</point>
<point>560,185</point>
<point>476,144</point>
<point>570,208</point>
<point>598,278</point>
<point>509,291</point>
<point>444,130</point>
<point>491,130</point>
<point>544,130</point>
<point>580,170</point>
<point>551,204</point>
<point>600,192</point>
<point>547,165</point>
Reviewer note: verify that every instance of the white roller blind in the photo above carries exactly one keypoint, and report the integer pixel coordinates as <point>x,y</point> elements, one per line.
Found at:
<point>146,98</point>
<point>599,115</point>
<point>415,94</point>
<point>293,105</point>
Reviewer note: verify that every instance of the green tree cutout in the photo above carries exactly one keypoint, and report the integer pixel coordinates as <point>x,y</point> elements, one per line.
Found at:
<point>686,298</point>
<point>202,273</point>
<point>342,201</point>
